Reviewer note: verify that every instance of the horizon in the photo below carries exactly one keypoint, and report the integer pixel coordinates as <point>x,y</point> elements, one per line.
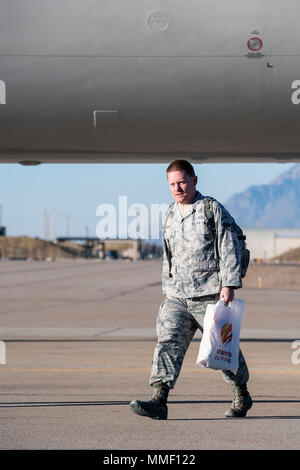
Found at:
<point>71,193</point>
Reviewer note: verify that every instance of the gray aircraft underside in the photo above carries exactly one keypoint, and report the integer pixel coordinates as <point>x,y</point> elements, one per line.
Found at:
<point>146,81</point>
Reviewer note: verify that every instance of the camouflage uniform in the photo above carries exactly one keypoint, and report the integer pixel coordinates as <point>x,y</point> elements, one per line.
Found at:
<point>193,277</point>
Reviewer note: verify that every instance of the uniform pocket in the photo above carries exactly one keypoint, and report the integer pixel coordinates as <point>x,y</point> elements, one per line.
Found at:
<point>205,266</point>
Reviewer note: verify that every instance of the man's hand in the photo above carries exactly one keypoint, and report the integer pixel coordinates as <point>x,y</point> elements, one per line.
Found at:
<point>227,294</point>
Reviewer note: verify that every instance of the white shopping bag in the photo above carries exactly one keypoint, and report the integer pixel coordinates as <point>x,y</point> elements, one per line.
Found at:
<point>219,347</point>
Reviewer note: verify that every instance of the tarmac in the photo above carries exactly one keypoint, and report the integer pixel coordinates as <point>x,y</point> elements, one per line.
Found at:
<point>77,345</point>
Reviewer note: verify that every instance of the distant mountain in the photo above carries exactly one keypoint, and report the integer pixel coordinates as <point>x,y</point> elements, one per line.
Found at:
<point>274,205</point>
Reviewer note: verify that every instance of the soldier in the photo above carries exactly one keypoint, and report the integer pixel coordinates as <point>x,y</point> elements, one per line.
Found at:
<point>198,269</point>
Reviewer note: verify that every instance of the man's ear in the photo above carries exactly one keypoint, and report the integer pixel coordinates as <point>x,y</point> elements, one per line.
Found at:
<point>196,180</point>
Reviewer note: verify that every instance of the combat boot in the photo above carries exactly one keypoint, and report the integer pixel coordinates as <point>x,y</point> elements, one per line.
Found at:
<point>156,408</point>
<point>241,402</point>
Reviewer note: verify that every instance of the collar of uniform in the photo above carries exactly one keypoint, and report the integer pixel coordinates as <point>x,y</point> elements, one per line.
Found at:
<point>197,198</point>
<point>191,207</point>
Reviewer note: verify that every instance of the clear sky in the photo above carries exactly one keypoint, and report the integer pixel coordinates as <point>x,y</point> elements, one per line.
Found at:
<point>73,192</point>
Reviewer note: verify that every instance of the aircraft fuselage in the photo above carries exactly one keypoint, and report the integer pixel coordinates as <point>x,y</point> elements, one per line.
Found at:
<point>149,81</point>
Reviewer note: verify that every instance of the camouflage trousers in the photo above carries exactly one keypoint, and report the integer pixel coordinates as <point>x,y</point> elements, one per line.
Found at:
<point>177,322</point>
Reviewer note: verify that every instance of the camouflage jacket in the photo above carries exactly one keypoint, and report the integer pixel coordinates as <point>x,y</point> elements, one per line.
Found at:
<point>191,267</point>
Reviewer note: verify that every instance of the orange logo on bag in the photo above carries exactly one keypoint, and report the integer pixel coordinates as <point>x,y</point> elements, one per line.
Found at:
<point>226,333</point>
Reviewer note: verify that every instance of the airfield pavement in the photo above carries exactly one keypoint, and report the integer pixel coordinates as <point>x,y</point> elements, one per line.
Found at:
<point>77,344</point>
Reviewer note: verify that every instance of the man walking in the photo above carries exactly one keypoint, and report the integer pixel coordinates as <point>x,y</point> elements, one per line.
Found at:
<point>198,269</point>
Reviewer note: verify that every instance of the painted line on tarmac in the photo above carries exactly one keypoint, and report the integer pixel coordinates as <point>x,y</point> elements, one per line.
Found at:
<point>133,370</point>
<point>263,371</point>
<point>276,371</point>
<point>72,369</point>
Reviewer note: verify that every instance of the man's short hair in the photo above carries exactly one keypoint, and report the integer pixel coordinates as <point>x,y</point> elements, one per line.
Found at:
<point>181,165</point>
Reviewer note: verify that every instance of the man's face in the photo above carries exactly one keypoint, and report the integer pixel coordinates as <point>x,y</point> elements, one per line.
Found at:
<point>182,186</point>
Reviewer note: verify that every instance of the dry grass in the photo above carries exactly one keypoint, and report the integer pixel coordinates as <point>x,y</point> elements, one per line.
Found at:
<point>273,277</point>
<point>34,248</point>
